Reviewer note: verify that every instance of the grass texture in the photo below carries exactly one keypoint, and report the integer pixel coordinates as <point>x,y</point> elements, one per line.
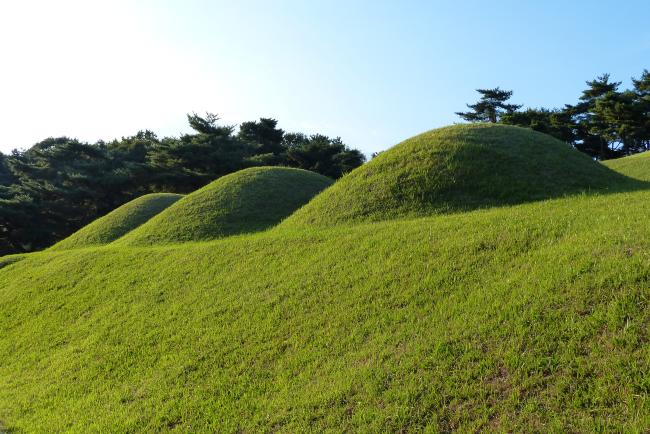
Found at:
<point>531,317</point>
<point>514,319</point>
<point>118,222</point>
<point>246,201</point>
<point>635,166</point>
<point>457,168</point>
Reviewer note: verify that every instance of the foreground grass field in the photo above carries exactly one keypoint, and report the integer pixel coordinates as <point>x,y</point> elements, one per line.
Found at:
<point>526,318</point>
<point>517,318</point>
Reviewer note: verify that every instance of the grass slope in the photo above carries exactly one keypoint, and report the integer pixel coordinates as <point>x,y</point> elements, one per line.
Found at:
<point>532,318</point>
<point>461,167</point>
<point>246,201</point>
<point>635,166</point>
<point>118,222</point>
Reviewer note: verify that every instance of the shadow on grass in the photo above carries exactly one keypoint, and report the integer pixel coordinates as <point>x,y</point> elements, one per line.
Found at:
<point>478,185</point>
<point>5,261</point>
<point>6,430</point>
<point>493,174</point>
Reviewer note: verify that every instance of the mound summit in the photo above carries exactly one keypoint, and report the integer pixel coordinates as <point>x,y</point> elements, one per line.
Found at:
<point>457,168</point>
<point>250,200</point>
<point>118,222</point>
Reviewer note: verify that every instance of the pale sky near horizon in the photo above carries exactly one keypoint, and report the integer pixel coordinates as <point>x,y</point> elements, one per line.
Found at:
<point>372,72</point>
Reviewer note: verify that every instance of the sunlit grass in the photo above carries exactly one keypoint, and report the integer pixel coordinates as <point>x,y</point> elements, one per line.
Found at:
<point>635,166</point>
<point>526,318</point>
<point>246,201</point>
<point>460,308</point>
<point>459,168</point>
<point>118,222</point>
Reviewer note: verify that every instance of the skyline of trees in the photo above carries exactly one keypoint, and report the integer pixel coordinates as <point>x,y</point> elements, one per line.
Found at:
<point>606,122</point>
<point>61,184</point>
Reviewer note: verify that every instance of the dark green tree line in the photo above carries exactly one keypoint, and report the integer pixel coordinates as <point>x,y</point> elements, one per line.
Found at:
<point>605,123</point>
<point>60,184</point>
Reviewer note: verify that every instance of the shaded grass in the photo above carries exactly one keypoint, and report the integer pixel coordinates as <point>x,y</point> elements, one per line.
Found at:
<point>118,222</point>
<point>529,318</point>
<point>246,201</point>
<point>459,168</point>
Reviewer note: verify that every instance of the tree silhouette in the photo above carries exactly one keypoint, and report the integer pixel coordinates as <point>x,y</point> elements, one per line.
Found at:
<point>491,107</point>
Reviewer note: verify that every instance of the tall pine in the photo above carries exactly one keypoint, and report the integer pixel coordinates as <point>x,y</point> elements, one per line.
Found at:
<point>491,107</point>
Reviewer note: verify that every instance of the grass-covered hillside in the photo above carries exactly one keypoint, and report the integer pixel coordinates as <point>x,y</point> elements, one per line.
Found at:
<point>532,317</point>
<point>118,222</point>
<point>461,167</point>
<point>635,166</point>
<point>246,201</point>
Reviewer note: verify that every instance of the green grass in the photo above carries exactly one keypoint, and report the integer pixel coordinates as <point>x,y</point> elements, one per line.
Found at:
<point>246,201</point>
<point>458,168</point>
<point>118,222</point>
<point>532,317</point>
<point>10,259</point>
<point>635,166</point>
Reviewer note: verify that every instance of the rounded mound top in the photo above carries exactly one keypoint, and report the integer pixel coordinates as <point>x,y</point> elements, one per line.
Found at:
<point>118,222</point>
<point>246,201</point>
<point>460,167</point>
<point>635,166</point>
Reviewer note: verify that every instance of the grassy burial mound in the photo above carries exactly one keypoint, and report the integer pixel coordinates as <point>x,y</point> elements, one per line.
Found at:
<point>246,201</point>
<point>635,166</point>
<point>514,319</point>
<point>526,318</point>
<point>460,167</point>
<point>118,222</point>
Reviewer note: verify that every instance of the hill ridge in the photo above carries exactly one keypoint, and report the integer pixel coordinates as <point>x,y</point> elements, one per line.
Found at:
<point>118,222</point>
<point>249,200</point>
<point>458,168</point>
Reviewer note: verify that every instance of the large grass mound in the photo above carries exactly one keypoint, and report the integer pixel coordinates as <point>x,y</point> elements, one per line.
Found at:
<point>246,201</point>
<point>461,167</point>
<point>118,222</point>
<point>635,166</point>
<point>533,318</point>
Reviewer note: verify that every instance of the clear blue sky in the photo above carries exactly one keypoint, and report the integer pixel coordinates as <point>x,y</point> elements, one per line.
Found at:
<point>372,72</point>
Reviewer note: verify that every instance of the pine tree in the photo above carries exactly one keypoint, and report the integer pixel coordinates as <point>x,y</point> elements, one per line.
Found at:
<point>185,164</point>
<point>491,107</point>
<point>642,97</point>
<point>591,125</point>
<point>264,136</point>
<point>321,154</point>
<point>556,123</point>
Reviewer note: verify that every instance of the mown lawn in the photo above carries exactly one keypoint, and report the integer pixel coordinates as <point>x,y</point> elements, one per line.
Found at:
<point>249,200</point>
<point>635,166</point>
<point>118,222</point>
<point>459,168</point>
<point>529,318</point>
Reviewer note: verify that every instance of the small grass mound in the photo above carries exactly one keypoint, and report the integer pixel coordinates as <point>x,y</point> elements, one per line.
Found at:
<point>246,201</point>
<point>458,168</point>
<point>635,166</point>
<point>118,222</point>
